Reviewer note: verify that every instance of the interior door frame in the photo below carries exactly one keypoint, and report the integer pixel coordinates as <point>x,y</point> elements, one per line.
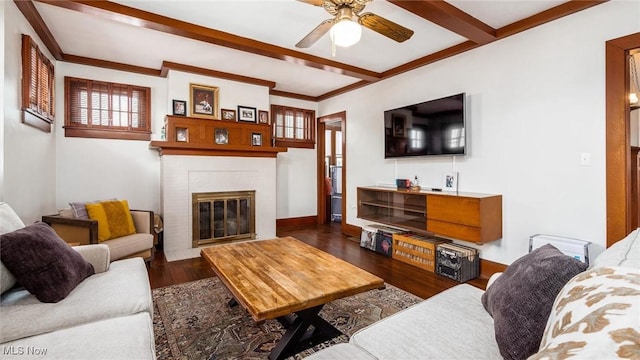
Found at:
<point>322,210</point>
<point>618,148</point>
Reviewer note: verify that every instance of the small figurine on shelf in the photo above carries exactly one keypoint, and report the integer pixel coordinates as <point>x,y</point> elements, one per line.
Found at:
<point>415,184</point>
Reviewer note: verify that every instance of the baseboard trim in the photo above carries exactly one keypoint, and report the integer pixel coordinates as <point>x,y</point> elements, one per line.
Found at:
<point>297,221</point>
<point>351,230</point>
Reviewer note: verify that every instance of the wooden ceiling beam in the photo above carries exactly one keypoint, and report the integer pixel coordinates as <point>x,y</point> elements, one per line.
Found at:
<point>131,16</point>
<point>556,12</point>
<point>168,65</point>
<point>451,18</point>
<point>28,9</point>
<point>293,95</point>
<point>109,65</point>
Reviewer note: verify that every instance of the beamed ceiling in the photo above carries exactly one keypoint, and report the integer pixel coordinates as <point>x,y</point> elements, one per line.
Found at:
<point>254,41</point>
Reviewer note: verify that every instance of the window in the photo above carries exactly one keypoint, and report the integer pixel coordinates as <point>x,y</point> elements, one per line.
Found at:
<point>293,127</point>
<point>38,85</point>
<point>98,109</point>
<point>416,138</point>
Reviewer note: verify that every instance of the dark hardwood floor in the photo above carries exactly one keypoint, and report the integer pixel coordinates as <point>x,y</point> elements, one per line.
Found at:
<point>327,238</point>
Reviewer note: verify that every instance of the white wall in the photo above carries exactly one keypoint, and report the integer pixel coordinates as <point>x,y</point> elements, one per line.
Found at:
<point>28,167</point>
<point>94,169</point>
<point>296,173</point>
<point>535,103</point>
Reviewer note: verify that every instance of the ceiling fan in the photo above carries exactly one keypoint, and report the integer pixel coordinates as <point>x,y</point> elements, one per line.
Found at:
<point>347,16</point>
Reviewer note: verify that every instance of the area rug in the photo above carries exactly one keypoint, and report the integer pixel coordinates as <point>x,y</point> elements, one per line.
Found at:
<point>193,321</point>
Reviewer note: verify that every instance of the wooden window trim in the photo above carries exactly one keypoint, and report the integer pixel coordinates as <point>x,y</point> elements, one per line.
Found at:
<point>309,129</point>
<point>72,129</point>
<point>38,112</point>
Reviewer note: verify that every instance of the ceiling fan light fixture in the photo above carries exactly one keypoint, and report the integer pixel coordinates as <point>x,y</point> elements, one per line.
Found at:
<point>346,32</point>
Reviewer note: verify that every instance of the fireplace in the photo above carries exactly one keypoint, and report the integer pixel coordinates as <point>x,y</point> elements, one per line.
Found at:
<point>223,217</point>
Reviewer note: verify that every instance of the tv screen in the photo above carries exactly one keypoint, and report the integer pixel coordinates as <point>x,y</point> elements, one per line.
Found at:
<point>435,127</point>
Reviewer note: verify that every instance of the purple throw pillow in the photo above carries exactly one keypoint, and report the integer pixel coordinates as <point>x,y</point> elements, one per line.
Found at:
<point>42,262</point>
<point>520,300</point>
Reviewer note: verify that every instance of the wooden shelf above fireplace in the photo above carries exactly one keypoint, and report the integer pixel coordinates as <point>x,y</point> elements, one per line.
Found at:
<point>183,148</point>
<point>194,136</point>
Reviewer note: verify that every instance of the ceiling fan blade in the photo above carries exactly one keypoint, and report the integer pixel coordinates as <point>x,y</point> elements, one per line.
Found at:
<point>313,2</point>
<point>385,27</point>
<point>315,34</point>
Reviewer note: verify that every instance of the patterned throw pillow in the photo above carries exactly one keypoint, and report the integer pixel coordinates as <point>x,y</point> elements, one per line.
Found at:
<point>595,316</point>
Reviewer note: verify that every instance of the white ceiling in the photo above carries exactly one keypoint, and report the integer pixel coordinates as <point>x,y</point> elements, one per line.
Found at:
<point>277,22</point>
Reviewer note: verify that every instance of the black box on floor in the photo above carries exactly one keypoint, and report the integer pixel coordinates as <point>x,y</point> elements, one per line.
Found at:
<point>457,262</point>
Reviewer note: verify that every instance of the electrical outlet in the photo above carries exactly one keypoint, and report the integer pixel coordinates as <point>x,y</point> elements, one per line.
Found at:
<point>585,159</point>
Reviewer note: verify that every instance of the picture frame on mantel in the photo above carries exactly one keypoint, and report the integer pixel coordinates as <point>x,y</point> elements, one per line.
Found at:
<point>263,117</point>
<point>204,101</point>
<point>247,114</point>
<point>228,114</point>
<point>179,108</point>
<point>256,139</point>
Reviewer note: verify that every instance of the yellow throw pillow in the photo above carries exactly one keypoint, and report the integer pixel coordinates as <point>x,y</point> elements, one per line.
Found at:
<point>96,212</point>
<point>114,219</point>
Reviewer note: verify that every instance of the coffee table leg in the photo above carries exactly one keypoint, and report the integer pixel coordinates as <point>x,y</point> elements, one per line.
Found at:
<point>298,330</point>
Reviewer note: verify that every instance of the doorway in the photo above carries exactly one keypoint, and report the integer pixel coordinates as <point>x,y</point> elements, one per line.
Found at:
<point>331,166</point>
<point>619,187</point>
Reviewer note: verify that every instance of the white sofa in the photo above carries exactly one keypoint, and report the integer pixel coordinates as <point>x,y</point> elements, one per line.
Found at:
<point>455,325</point>
<point>107,316</point>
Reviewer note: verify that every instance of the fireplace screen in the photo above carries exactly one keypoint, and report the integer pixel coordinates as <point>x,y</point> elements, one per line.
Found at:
<point>223,216</point>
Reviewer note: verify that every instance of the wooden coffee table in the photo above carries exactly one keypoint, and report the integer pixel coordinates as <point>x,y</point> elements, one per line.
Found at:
<point>288,280</point>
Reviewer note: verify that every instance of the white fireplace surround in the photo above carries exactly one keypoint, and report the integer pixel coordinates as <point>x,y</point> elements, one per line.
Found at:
<point>183,175</point>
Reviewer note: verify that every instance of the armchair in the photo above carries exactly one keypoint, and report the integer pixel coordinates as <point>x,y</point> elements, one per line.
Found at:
<point>83,232</point>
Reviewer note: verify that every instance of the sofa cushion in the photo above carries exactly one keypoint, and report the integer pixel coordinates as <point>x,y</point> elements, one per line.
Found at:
<point>520,300</point>
<point>127,337</point>
<point>114,219</point>
<point>128,245</point>
<point>449,325</point>
<point>42,262</point>
<point>122,290</point>
<point>625,252</point>
<point>595,316</point>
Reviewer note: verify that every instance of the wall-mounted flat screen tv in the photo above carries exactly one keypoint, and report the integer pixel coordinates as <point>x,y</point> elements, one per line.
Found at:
<point>435,127</point>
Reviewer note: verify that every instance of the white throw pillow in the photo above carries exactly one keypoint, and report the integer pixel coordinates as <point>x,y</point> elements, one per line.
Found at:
<point>625,252</point>
<point>595,316</point>
<point>9,221</point>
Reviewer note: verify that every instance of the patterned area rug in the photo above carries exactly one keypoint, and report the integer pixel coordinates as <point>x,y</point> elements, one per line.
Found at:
<point>193,321</point>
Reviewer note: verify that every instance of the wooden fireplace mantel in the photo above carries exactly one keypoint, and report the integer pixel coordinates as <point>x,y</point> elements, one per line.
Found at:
<point>182,148</point>
<point>195,136</point>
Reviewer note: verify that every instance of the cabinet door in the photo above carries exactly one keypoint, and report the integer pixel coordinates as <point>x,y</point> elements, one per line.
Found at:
<point>454,209</point>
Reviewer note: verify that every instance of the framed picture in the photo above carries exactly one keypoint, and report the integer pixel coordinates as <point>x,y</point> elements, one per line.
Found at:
<point>221,136</point>
<point>246,113</point>
<point>256,139</point>
<point>397,121</point>
<point>227,114</point>
<point>204,101</point>
<point>263,117</point>
<point>179,107</point>
<point>182,135</point>
<point>451,181</point>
